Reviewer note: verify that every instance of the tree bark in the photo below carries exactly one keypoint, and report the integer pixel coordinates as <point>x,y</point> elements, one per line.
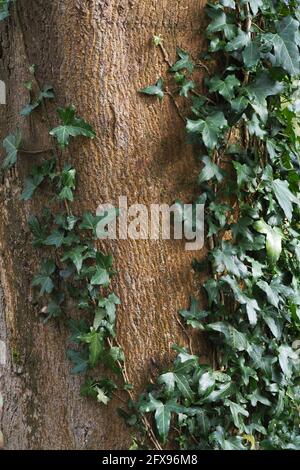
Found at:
<point>97,54</point>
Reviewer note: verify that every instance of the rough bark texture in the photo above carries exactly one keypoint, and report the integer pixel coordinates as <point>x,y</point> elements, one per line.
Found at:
<point>97,54</point>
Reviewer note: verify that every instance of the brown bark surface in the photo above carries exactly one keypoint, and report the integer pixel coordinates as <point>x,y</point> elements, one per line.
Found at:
<point>96,54</point>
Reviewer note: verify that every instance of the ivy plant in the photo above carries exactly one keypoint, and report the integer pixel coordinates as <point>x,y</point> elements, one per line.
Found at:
<point>247,125</point>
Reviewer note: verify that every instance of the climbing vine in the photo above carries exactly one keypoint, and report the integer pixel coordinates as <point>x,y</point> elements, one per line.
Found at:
<point>247,125</point>
<point>73,284</point>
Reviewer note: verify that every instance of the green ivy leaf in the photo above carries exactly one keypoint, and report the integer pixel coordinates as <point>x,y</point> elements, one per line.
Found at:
<point>43,278</point>
<point>101,277</point>
<point>258,91</point>
<point>251,54</point>
<point>56,238</point>
<point>285,197</point>
<point>79,359</point>
<point>210,171</point>
<point>76,255</point>
<point>251,304</point>
<point>90,222</point>
<point>109,304</point>
<point>184,62</point>
<point>220,22</point>
<point>95,341</point>
<point>162,415</point>
<point>38,175</point>
<point>4,9</point>
<point>225,258</point>
<point>155,90</point>
<point>237,410</point>
<point>235,338</point>
<point>206,383</point>
<point>188,86</point>
<point>286,359</point>
<point>194,316</point>
<point>66,183</point>
<point>273,240</point>
<point>241,40</point>
<point>210,129</point>
<point>46,93</point>
<point>72,126</point>
<point>225,88</point>
<point>285,43</point>
<point>11,145</point>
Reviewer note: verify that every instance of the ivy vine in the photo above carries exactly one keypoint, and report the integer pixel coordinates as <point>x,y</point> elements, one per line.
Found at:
<point>74,276</point>
<point>247,124</point>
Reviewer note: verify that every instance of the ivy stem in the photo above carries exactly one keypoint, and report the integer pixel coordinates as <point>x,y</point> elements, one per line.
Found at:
<point>176,106</point>
<point>125,376</point>
<point>35,152</point>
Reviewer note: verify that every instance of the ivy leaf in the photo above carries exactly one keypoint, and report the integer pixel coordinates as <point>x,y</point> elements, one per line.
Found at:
<point>286,358</point>
<point>206,383</point>
<point>258,91</point>
<point>256,397</point>
<point>46,93</point>
<point>225,88</point>
<point>4,9</point>
<point>235,338</point>
<point>220,23</point>
<point>273,325</point>
<point>273,240</point>
<point>228,442</point>
<point>236,410</point>
<point>251,54</point>
<point>210,171</point>
<point>72,126</point>
<point>11,145</point>
<point>90,222</point>
<point>66,183</point>
<point>38,230</point>
<point>55,239</point>
<point>155,90</point>
<point>101,396</point>
<point>186,88</point>
<point>43,278</point>
<point>80,360</point>
<point>285,44</point>
<point>184,62</point>
<point>194,316</point>
<point>239,104</point>
<point>285,197</point>
<point>76,255</point>
<point>211,128</point>
<point>101,277</point>
<point>255,5</point>
<point>37,176</point>
<point>241,40</point>
<point>225,258</point>
<point>255,128</point>
<point>95,341</point>
<point>244,173</point>
<point>168,380</point>
<point>31,184</point>
<point>252,306</point>
<point>162,415</point>
<point>272,295</point>
<point>228,3</point>
<point>109,304</point>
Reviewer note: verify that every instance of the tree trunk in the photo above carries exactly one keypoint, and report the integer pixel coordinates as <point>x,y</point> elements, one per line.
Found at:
<point>97,54</point>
